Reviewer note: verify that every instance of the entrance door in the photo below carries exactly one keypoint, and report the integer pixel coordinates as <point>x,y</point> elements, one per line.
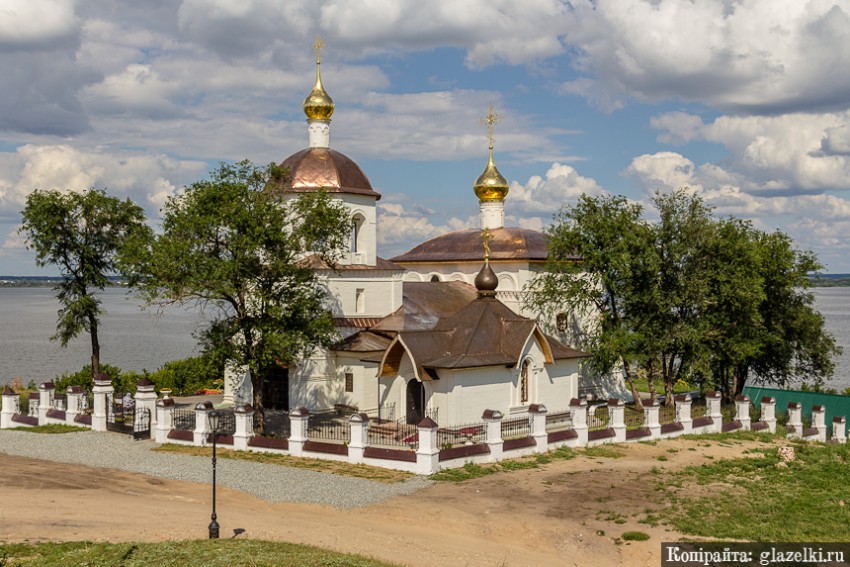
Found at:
<point>415,401</point>
<point>276,388</point>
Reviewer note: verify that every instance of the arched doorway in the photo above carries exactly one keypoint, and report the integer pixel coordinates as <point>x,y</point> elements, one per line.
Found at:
<point>276,388</point>
<point>415,401</point>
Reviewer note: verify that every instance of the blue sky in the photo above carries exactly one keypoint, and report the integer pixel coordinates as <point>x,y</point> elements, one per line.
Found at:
<point>746,102</point>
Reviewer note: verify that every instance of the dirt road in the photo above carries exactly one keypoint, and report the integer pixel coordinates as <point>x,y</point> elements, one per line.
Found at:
<point>563,513</point>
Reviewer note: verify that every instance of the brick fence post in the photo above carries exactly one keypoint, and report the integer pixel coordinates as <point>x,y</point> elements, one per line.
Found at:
<point>45,400</point>
<point>768,412</point>
<point>683,412</point>
<point>617,419</point>
<point>73,399</point>
<point>742,411</point>
<point>244,416</point>
<point>146,398</point>
<point>103,391</point>
<point>359,423</point>
<point>578,413</point>
<point>298,420</point>
<point>11,406</point>
<point>428,454</point>
<point>795,420</point>
<point>712,409</point>
<point>651,418</point>
<point>537,415</point>
<point>202,424</point>
<point>164,419</point>
<point>839,429</point>
<point>819,421</point>
<point>493,433</point>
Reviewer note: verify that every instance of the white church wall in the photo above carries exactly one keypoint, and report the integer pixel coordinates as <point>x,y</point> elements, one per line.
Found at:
<point>374,295</point>
<point>313,384</point>
<point>557,384</point>
<point>363,206</point>
<point>365,384</point>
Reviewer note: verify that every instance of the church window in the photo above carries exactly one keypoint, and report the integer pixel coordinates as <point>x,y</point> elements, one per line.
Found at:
<point>349,382</point>
<point>356,233</point>
<point>360,299</point>
<point>561,322</point>
<point>435,278</point>
<point>523,382</point>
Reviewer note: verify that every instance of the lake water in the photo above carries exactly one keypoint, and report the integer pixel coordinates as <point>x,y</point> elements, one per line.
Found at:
<point>132,339</point>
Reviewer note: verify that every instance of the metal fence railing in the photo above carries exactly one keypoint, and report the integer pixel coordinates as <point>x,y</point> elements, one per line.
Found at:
<point>516,427</point>
<point>468,434</point>
<point>277,424</point>
<point>328,427</point>
<point>634,419</point>
<point>558,420</point>
<point>394,434</point>
<point>699,410</point>
<point>597,418</point>
<point>666,414</point>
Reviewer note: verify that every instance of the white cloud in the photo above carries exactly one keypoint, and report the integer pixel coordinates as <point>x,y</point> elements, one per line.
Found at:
<point>147,179</point>
<point>561,185</point>
<point>37,24</point>
<point>775,154</point>
<point>761,56</point>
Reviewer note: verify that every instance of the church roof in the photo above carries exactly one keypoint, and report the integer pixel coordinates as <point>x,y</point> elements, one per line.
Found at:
<point>381,265</point>
<point>511,243</point>
<point>313,169</point>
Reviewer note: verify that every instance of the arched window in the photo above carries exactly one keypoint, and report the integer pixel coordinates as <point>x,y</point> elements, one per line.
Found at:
<point>523,381</point>
<point>435,278</point>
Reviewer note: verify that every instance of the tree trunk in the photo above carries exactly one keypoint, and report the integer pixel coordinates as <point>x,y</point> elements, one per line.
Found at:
<point>95,348</point>
<point>257,380</point>
<point>631,383</point>
<point>669,396</point>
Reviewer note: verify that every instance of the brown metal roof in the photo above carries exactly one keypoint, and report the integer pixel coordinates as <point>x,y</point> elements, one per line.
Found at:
<point>425,303</point>
<point>365,341</point>
<point>322,168</point>
<point>510,243</point>
<point>317,263</point>
<point>357,322</point>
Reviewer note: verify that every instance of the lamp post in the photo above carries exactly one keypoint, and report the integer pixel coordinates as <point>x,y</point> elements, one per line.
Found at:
<point>214,418</point>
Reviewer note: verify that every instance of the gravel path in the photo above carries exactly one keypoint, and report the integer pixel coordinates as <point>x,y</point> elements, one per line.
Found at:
<point>270,482</point>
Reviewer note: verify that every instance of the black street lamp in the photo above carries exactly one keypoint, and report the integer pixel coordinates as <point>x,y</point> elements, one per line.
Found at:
<point>214,420</point>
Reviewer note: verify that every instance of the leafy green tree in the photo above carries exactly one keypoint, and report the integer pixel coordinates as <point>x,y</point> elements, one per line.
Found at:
<point>244,254</point>
<point>83,235</point>
<point>188,375</point>
<point>689,297</point>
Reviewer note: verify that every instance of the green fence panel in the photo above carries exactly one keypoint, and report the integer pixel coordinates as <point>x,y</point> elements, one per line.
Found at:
<point>835,405</point>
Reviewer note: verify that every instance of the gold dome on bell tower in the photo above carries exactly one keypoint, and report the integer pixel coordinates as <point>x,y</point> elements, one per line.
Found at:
<point>318,105</point>
<point>491,185</point>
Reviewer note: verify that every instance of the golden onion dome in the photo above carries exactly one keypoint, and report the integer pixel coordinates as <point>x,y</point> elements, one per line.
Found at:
<point>491,185</point>
<point>318,105</point>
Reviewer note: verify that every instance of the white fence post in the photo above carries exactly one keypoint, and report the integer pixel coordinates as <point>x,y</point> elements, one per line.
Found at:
<point>202,426</point>
<point>768,412</point>
<point>103,392</point>
<point>795,420</point>
<point>839,429</point>
<point>73,395</point>
<point>428,454</point>
<point>712,410</point>
<point>683,412</point>
<point>11,406</point>
<point>742,411</point>
<point>45,400</point>
<point>164,419</point>
<point>651,418</point>
<point>244,416</point>
<point>617,418</point>
<point>819,421</point>
<point>298,420</point>
<point>578,412</point>
<point>359,423</point>
<point>537,414</point>
<point>493,433</point>
<point>146,398</point>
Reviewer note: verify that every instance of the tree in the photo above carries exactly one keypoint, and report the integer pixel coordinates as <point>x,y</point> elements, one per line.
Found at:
<point>236,248</point>
<point>690,297</point>
<point>84,235</point>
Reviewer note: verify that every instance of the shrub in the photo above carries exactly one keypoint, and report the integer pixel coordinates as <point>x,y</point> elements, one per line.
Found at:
<point>84,377</point>
<point>188,375</point>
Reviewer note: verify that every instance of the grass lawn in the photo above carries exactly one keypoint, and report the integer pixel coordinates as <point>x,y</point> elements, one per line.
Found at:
<point>52,428</point>
<point>377,474</point>
<point>208,553</point>
<point>760,498</point>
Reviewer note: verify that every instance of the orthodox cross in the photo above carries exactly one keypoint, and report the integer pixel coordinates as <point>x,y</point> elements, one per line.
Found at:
<point>491,120</point>
<point>486,235</point>
<point>318,47</point>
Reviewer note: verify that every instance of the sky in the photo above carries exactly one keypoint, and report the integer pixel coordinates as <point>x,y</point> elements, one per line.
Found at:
<point>745,102</point>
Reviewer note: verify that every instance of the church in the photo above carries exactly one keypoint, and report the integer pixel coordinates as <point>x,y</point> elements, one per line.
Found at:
<point>439,331</point>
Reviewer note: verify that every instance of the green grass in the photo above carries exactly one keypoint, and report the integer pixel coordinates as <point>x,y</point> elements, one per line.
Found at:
<point>754,499</point>
<point>208,553</point>
<point>635,536</point>
<point>605,451</point>
<point>642,385</point>
<point>52,428</point>
<point>472,470</point>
